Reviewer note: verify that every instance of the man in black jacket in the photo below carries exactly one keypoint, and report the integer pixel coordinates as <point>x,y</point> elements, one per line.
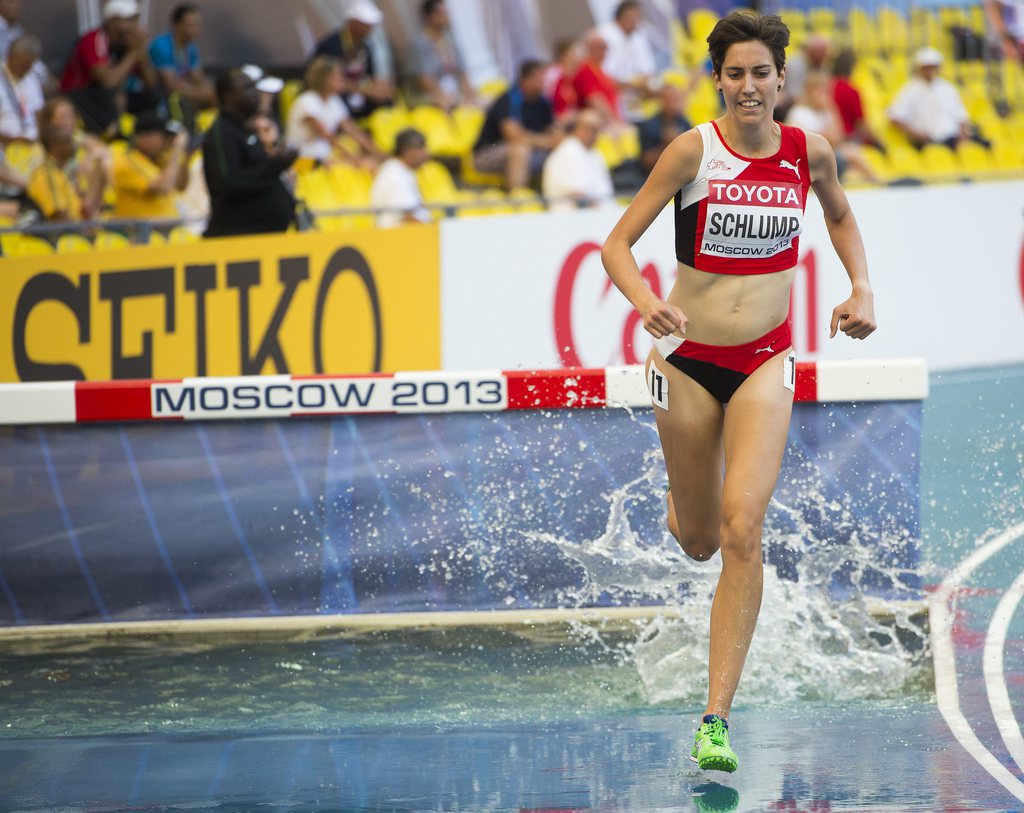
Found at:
<point>247,195</point>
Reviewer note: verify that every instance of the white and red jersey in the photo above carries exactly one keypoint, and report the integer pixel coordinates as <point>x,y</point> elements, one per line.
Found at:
<point>743,215</point>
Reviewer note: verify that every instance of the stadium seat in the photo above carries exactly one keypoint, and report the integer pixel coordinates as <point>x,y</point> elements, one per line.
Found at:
<point>1008,157</point>
<point>384,124</point>
<point>822,19</point>
<point>526,200</point>
<point>182,235</point>
<point>492,89</point>
<point>73,244</point>
<point>877,161</point>
<point>904,161</point>
<point>436,183</point>
<point>938,162</point>
<point>892,26</point>
<point>438,128</point>
<point>13,244</point>
<point>108,240</point>
<point>863,32</point>
<point>155,238</point>
<point>974,158</point>
<point>22,157</point>
<point>292,88</point>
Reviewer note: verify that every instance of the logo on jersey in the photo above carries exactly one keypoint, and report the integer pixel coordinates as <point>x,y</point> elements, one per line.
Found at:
<point>795,167</point>
<point>756,219</point>
<point>717,164</point>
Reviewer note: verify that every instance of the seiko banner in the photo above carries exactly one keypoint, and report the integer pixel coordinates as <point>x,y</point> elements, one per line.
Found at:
<point>300,304</point>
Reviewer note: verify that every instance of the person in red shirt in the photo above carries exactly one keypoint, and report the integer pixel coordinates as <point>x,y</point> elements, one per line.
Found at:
<point>558,78</point>
<point>848,101</point>
<point>594,88</point>
<point>109,69</point>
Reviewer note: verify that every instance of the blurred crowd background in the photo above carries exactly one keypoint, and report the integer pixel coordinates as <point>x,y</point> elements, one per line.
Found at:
<point>135,121</point>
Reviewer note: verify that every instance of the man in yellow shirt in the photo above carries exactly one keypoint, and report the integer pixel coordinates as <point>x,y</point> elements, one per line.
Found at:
<point>49,186</point>
<point>148,177</point>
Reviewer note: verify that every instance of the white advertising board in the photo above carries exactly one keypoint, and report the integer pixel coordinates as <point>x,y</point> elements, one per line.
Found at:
<point>529,291</point>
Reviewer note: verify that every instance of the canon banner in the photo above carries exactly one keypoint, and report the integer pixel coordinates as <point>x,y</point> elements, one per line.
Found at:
<point>946,263</point>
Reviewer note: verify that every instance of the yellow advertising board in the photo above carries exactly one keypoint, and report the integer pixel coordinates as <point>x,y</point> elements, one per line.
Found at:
<point>300,303</point>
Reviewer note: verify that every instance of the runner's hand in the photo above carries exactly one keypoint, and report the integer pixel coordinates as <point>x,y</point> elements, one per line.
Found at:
<point>661,318</point>
<point>855,317</point>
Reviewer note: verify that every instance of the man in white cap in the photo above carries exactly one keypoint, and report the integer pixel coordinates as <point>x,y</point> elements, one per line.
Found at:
<point>928,109</point>
<point>367,82</point>
<point>109,69</point>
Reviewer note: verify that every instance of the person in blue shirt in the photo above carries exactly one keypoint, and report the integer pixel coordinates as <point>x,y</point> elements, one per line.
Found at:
<point>175,56</point>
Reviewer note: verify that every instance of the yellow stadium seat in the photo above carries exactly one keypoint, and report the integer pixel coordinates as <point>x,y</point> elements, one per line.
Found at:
<point>108,240</point>
<point>182,235</point>
<point>876,159</point>
<point>904,161</point>
<point>22,157</point>
<point>384,124</point>
<point>438,128</point>
<point>974,158</point>
<point>822,19</point>
<point>436,183</point>
<point>205,119</point>
<point>489,202</point>
<point>1007,156</point>
<point>156,239</point>
<point>794,18</point>
<point>699,23</point>
<point>526,200</point>
<point>863,32</point>
<point>492,89</point>
<point>73,244</point>
<point>13,244</point>
<point>892,26</point>
<point>292,88</point>
<point>629,143</point>
<point>609,148</point>
<point>938,161</point>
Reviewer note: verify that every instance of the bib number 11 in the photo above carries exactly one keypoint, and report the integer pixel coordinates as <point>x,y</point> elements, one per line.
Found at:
<point>658,386</point>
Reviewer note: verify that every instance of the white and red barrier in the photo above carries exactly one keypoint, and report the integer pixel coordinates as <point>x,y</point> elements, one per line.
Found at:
<point>415,392</point>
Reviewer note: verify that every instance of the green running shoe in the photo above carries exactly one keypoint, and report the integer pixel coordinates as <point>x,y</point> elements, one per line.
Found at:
<point>711,749</point>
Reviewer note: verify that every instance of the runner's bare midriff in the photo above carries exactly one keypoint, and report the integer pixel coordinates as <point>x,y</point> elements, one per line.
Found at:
<point>726,309</point>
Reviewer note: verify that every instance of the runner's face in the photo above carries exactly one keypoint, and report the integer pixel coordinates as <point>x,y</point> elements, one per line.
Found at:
<point>749,82</point>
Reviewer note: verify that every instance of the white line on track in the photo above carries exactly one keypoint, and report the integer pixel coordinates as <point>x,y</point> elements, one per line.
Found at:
<point>995,678</point>
<point>940,620</point>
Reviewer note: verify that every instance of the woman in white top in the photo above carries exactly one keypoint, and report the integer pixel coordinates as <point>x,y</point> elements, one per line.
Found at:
<point>318,116</point>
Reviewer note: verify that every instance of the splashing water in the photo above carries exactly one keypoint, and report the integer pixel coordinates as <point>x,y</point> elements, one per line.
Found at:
<point>809,644</point>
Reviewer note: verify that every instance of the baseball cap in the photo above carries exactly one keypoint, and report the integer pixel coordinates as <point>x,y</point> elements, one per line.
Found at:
<point>264,83</point>
<point>926,57</point>
<point>123,9</point>
<point>365,11</point>
<point>152,122</point>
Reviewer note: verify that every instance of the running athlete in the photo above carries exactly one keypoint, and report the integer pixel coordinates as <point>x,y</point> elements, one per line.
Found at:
<point>721,373</point>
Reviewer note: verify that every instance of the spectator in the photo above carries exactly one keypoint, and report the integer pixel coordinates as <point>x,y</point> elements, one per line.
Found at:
<point>813,58</point>
<point>558,87</point>
<point>815,112</point>
<point>629,60</point>
<point>109,70</point>
<point>436,73</point>
<point>1006,23</point>
<point>662,128</point>
<point>928,109</point>
<point>21,97</point>
<point>10,30</point>
<point>91,166</point>
<point>50,187</point>
<point>12,189</point>
<point>594,88</point>
<point>575,174</point>
<point>517,133</point>
<point>848,102</point>
<point>318,116</point>
<point>175,58</point>
<point>247,194</point>
<point>147,176</point>
<point>395,188</point>
<point>268,88</point>
<point>366,86</point>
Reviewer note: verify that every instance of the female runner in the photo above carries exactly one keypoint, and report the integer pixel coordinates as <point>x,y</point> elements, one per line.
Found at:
<point>721,373</point>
